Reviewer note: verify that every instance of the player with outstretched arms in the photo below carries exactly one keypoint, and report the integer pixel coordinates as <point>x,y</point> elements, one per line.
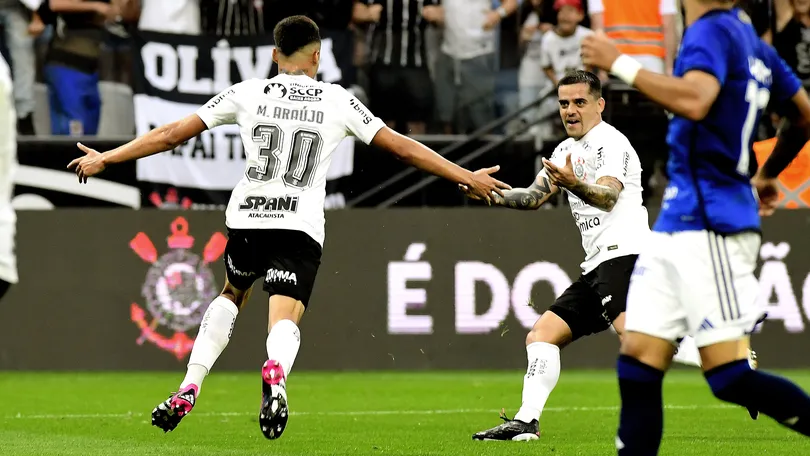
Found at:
<point>696,276</point>
<point>601,173</point>
<point>290,125</point>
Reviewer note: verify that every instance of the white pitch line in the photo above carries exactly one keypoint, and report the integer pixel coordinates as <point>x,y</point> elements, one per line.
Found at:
<point>20,416</point>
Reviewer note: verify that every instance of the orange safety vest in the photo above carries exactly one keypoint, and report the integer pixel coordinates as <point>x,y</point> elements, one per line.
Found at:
<point>636,29</point>
<point>794,182</point>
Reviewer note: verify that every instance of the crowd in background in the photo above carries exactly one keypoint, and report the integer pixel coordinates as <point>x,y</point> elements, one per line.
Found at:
<point>427,66</point>
<point>436,66</point>
<point>424,66</point>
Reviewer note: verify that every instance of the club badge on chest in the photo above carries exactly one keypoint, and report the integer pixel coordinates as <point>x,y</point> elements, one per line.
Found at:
<point>579,168</point>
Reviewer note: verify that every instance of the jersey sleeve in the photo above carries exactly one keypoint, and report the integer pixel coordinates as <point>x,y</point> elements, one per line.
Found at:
<point>705,48</point>
<point>557,158</point>
<point>545,52</point>
<point>611,161</point>
<point>785,82</point>
<point>359,120</point>
<point>559,154</point>
<point>595,6</point>
<point>668,7</point>
<point>222,109</point>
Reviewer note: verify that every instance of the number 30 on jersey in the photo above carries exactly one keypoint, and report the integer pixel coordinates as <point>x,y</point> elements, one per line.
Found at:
<point>299,171</point>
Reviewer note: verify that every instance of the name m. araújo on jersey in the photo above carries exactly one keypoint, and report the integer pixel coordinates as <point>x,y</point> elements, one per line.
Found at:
<point>302,115</point>
<point>263,207</point>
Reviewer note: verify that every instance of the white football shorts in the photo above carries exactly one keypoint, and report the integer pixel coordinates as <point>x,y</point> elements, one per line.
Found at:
<point>695,283</point>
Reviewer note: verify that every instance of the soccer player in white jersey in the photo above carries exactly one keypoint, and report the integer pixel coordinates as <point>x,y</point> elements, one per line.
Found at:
<point>601,173</point>
<point>8,166</point>
<point>290,125</point>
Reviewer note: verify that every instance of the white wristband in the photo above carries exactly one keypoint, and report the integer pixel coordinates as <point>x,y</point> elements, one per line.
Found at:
<point>626,68</point>
<point>502,12</point>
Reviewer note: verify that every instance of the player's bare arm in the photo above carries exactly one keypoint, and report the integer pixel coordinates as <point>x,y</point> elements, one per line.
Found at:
<point>793,134</point>
<point>791,138</point>
<point>602,195</point>
<point>479,183</point>
<point>690,96</point>
<point>529,198</point>
<point>158,140</point>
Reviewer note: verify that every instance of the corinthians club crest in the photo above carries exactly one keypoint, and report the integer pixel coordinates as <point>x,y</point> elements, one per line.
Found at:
<point>179,287</point>
<point>579,168</point>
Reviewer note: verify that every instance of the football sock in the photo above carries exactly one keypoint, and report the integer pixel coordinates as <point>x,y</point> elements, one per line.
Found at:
<point>540,380</point>
<point>212,338</point>
<point>688,352</point>
<point>774,396</point>
<point>641,420</point>
<point>283,343</point>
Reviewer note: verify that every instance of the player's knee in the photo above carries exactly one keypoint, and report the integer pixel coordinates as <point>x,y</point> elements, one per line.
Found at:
<point>533,336</point>
<point>631,345</point>
<point>236,296</point>
<point>729,382</point>
<point>550,329</point>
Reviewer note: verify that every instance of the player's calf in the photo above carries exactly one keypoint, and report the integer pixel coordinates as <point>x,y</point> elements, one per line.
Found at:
<point>543,344</point>
<point>640,369</point>
<point>736,382</point>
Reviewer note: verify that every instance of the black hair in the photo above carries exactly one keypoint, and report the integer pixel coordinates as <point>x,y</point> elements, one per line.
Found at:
<point>583,77</point>
<point>295,32</point>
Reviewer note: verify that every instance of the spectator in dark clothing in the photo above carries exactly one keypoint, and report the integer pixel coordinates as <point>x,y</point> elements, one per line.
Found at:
<point>247,17</point>
<point>400,84</point>
<point>259,17</point>
<point>792,40</point>
<point>762,15</point>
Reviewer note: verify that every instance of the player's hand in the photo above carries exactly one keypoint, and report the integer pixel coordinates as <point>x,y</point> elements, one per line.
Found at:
<point>91,164</point>
<point>483,186</point>
<point>599,51</point>
<point>768,193</point>
<point>561,177</point>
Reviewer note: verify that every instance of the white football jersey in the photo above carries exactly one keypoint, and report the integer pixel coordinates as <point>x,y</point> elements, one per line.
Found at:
<point>605,151</point>
<point>290,125</point>
<point>8,169</point>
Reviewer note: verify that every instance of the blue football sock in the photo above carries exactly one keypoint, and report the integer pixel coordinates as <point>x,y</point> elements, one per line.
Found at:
<point>777,397</point>
<point>641,422</point>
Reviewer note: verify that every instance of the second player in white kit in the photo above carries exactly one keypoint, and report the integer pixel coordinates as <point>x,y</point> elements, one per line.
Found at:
<point>600,172</point>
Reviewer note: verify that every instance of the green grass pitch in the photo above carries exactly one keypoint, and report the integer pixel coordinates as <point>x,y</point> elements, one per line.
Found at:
<point>423,413</point>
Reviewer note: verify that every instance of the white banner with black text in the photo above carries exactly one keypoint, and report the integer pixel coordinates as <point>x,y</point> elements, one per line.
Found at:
<point>175,75</point>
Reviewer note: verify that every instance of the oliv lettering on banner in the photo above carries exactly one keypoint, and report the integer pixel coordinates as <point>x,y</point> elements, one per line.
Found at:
<point>169,67</point>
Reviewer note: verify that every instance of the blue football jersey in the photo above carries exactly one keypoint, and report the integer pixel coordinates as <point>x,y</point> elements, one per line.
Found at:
<point>710,160</point>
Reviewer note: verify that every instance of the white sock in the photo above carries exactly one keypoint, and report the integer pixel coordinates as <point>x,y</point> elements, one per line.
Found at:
<point>283,343</point>
<point>540,380</point>
<point>688,352</point>
<point>212,338</point>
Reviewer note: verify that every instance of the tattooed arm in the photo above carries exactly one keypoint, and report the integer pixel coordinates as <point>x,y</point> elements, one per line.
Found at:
<point>602,195</point>
<point>528,198</point>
